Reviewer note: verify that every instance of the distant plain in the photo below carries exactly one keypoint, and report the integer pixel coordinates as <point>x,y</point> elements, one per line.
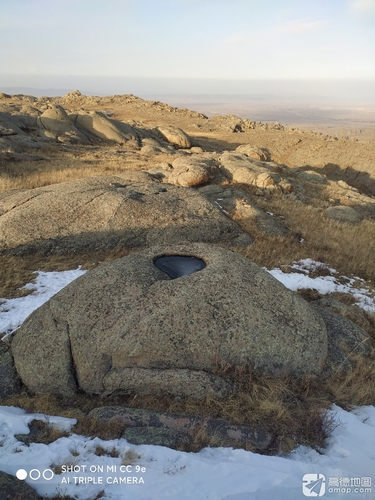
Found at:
<point>355,120</point>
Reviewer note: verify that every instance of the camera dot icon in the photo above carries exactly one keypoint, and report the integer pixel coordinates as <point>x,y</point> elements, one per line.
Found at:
<point>21,474</point>
<point>313,485</point>
<point>35,474</point>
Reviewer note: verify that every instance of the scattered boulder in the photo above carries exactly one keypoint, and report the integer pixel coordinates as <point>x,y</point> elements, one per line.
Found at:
<point>348,196</point>
<point>134,210</point>
<point>311,176</point>
<point>175,136</point>
<point>229,123</point>
<point>127,326</point>
<point>353,312</point>
<point>242,169</point>
<point>253,152</point>
<point>344,338</point>
<point>343,214</point>
<point>191,171</point>
<point>155,146</point>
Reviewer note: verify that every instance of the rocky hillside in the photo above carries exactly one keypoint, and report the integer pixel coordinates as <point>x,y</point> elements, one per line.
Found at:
<point>238,166</point>
<point>28,123</point>
<point>86,179</point>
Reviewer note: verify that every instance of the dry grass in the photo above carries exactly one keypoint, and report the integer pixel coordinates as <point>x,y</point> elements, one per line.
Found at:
<point>349,249</point>
<point>292,410</point>
<point>43,432</point>
<point>130,457</point>
<point>16,271</point>
<point>71,165</point>
<point>100,451</point>
<point>356,387</point>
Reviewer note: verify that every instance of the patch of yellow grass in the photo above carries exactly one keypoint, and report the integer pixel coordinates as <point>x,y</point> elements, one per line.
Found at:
<point>350,249</point>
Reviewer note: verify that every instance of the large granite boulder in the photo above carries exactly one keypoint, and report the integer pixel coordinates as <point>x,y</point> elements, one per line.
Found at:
<point>187,170</point>
<point>56,120</point>
<point>190,171</point>
<point>102,127</point>
<point>135,327</point>
<point>134,210</point>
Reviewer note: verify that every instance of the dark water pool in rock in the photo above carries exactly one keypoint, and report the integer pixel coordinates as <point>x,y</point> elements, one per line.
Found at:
<point>177,266</point>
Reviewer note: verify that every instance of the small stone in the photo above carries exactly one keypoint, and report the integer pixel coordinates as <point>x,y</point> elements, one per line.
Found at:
<point>343,214</point>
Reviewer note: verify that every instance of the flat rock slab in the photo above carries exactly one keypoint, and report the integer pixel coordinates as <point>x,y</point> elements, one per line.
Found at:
<point>133,210</point>
<point>127,326</point>
<point>151,427</point>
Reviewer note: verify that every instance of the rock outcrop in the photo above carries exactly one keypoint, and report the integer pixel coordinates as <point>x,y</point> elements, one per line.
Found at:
<point>241,169</point>
<point>343,214</point>
<point>141,426</point>
<point>55,120</point>
<point>133,210</point>
<point>32,127</point>
<point>344,339</point>
<point>253,152</point>
<point>109,130</point>
<point>175,136</point>
<point>189,171</point>
<point>127,326</point>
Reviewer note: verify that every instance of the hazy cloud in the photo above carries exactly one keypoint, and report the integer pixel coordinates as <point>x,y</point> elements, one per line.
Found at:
<point>364,7</point>
<point>300,26</point>
<point>238,40</point>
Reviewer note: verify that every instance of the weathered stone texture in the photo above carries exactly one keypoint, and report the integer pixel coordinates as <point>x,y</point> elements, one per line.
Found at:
<point>129,317</point>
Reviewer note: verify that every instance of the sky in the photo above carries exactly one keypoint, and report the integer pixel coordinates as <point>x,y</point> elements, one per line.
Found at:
<point>184,45</point>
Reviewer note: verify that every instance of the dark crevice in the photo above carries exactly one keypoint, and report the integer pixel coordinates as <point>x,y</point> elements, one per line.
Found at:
<point>73,370</point>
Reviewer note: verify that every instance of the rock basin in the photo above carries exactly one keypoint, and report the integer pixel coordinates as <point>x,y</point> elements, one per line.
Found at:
<point>127,326</point>
<point>177,266</point>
